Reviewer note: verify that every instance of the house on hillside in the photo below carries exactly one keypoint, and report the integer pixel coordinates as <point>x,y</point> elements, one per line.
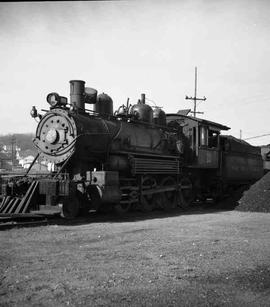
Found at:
<point>26,161</point>
<point>39,166</point>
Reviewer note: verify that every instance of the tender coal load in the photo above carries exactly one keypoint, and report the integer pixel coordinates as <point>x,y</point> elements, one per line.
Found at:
<point>257,198</point>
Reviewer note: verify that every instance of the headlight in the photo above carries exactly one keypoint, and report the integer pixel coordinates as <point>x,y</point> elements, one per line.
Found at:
<point>54,100</point>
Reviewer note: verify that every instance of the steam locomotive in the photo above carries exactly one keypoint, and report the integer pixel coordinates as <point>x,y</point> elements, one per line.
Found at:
<point>137,157</point>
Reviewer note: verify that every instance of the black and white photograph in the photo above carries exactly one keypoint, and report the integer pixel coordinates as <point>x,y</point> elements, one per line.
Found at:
<point>135,153</point>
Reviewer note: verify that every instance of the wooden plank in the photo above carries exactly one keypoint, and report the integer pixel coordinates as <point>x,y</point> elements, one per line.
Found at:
<point>5,204</point>
<point>30,198</point>
<point>7,208</point>
<point>16,203</point>
<point>25,198</point>
<point>2,203</point>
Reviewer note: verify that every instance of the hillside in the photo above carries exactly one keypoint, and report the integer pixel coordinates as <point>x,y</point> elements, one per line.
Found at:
<point>22,140</point>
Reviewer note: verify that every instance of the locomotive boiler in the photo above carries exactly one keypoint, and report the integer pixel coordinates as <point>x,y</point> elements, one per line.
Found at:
<point>94,138</point>
<point>137,157</point>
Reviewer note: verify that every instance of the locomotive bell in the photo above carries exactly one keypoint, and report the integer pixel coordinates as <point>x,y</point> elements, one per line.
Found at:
<point>104,104</point>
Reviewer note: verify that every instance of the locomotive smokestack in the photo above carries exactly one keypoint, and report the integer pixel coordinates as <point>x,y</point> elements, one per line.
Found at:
<point>143,98</point>
<point>77,94</point>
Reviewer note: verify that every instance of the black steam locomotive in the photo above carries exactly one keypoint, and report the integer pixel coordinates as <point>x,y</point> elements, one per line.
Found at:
<point>136,157</point>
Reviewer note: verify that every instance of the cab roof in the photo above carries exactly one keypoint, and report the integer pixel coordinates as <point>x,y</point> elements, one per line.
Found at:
<point>178,116</point>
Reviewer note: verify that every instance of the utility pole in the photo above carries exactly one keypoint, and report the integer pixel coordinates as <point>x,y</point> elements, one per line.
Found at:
<point>195,98</point>
<point>13,149</point>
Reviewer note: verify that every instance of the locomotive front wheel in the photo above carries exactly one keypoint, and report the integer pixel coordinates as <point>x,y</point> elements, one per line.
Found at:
<point>70,207</point>
<point>186,192</point>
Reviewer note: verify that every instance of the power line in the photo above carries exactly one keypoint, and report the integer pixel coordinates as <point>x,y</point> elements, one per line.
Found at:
<point>257,136</point>
<point>195,98</point>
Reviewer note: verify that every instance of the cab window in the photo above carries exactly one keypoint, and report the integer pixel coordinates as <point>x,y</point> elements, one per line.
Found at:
<point>213,139</point>
<point>203,139</point>
<point>208,137</point>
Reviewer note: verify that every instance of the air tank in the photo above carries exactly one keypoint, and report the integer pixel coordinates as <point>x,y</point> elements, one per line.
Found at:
<point>159,116</point>
<point>104,104</point>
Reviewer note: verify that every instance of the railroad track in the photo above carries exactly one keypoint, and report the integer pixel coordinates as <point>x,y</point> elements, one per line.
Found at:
<point>8,221</point>
<point>13,220</point>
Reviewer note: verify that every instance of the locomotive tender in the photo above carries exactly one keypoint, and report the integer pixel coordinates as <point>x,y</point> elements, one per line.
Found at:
<point>136,157</point>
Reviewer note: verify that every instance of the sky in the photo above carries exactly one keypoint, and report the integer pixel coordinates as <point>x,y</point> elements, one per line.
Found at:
<point>125,48</point>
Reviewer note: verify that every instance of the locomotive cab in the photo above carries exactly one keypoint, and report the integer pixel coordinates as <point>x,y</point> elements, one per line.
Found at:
<point>203,140</point>
<point>207,149</point>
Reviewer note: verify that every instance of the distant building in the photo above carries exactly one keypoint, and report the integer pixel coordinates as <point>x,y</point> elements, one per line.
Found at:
<point>26,161</point>
<point>9,148</point>
<point>9,155</point>
<point>5,161</point>
<point>39,166</point>
<point>51,167</point>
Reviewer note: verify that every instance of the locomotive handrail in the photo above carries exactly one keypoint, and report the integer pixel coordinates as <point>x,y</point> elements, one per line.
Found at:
<point>31,165</point>
<point>118,132</point>
<point>64,164</point>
